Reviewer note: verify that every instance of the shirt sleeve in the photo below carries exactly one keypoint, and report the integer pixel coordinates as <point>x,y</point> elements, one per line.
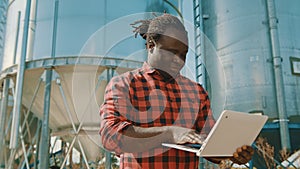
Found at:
<point>112,115</point>
<point>205,120</point>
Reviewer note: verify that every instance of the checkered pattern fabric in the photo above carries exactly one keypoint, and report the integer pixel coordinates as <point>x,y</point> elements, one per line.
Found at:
<point>143,98</point>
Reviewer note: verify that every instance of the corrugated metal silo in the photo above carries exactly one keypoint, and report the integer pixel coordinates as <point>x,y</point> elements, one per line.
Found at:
<point>243,36</point>
<point>83,44</point>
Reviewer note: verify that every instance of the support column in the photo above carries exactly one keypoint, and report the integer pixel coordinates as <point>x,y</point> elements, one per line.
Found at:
<point>3,112</point>
<point>20,80</point>
<point>277,67</point>
<point>45,135</point>
<point>110,74</point>
<point>45,138</point>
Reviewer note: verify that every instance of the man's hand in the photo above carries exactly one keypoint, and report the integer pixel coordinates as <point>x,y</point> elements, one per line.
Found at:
<point>242,155</point>
<point>181,135</point>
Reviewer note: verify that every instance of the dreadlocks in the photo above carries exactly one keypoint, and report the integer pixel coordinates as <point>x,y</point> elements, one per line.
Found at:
<point>152,29</point>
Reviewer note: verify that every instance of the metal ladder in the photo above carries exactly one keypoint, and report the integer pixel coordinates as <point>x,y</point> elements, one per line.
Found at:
<point>199,56</point>
<point>3,14</point>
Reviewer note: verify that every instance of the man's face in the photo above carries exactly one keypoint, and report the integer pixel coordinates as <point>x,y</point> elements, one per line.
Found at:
<point>169,52</point>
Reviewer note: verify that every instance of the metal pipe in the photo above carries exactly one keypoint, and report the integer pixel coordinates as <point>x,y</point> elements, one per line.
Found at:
<point>110,74</point>
<point>68,152</point>
<point>3,117</point>
<point>63,152</point>
<point>38,133</point>
<point>28,124</point>
<point>17,38</point>
<point>31,103</point>
<point>83,154</point>
<point>24,148</point>
<point>20,79</point>
<point>33,141</point>
<point>277,68</point>
<point>72,144</point>
<point>58,82</point>
<point>297,94</point>
<point>54,29</point>
<point>11,159</point>
<point>107,160</point>
<point>44,142</point>
<point>32,25</point>
<point>8,162</point>
<point>45,135</point>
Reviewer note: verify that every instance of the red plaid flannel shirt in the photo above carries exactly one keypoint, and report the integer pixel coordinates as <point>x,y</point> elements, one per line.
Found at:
<point>143,98</point>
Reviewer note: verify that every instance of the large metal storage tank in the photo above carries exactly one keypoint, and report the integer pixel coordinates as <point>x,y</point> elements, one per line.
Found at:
<point>84,43</point>
<point>77,22</point>
<point>3,7</point>
<point>239,31</point>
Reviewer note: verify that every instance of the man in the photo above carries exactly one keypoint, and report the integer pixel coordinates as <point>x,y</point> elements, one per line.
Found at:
<point>155,104</point>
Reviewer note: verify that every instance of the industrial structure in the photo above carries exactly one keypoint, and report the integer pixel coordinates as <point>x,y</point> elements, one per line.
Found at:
<point>56,57</point>
<point>251,53</point>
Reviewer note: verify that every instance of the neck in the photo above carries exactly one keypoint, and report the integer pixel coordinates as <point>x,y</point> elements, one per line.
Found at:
<point>166,75</point>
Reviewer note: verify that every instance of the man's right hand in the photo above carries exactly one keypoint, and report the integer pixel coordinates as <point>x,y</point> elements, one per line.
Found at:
<point>181,135</point>
<point>135,138</point>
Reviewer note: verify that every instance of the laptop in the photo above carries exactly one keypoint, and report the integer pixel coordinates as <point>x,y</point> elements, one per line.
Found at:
<point>231,131</point>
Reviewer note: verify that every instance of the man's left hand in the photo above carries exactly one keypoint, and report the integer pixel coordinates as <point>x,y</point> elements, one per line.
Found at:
<point>242,155</point>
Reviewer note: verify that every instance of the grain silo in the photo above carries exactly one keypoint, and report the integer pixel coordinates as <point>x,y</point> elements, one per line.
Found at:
<point>251,48</point>
<point>58,57</point>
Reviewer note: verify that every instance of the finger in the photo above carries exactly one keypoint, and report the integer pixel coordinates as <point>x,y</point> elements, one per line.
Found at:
<point>244,147</point>
<point>203,136</point>
<point>190,139</point>
<point>185,139</point>
<point>238,159</point>
<point>243,154</point>
<point>239,150</point>
<point>235,157</point>
<point>244,157</point>
<point>248,149</point>
<point>195,138</point>
<point>247,156</point>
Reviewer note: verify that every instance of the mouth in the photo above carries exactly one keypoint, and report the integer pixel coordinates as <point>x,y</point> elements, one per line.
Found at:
<point>174,68</point>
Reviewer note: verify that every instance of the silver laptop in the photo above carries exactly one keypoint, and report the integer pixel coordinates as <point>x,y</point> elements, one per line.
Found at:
<point>232,130</point>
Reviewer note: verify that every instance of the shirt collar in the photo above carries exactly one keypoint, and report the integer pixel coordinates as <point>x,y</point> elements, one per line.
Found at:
<point>152,71</point>
<point>148,69</point>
